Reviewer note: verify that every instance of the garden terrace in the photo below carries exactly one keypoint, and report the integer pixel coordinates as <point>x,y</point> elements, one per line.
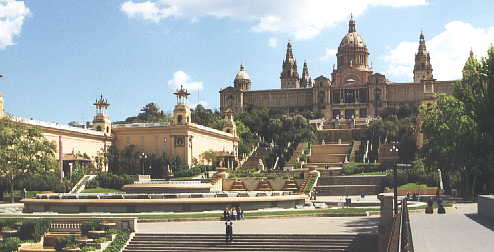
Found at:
<point>163,202</point>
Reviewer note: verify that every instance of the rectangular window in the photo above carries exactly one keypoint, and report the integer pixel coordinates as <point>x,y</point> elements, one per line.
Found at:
<point>179,140</point>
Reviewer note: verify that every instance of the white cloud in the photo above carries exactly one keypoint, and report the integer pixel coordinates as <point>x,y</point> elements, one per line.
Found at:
<point>180,78</point>
<point>12,15</point>
<point>329,54</point>
<point>151,11</point>
<point>273,42</point>
<point>302,19</point>
<point>448,50</point>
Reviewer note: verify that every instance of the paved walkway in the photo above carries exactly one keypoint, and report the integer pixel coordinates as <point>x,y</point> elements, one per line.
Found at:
<point>459,230</point>
<point>313,225</point>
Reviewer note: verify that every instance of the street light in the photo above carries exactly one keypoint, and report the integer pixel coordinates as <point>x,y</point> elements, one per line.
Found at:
<point>395,175</point>
<point>143,158</point>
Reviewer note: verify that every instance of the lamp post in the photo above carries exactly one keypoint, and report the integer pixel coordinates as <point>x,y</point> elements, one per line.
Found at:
<point>143,158</point>
<point>395,175</point>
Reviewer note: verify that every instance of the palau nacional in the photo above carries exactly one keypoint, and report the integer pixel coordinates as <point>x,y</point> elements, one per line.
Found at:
<point>353,92</point>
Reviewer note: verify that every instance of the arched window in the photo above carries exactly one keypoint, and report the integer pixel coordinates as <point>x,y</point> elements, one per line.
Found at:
<point>98,128</point>
<point>179,119</point>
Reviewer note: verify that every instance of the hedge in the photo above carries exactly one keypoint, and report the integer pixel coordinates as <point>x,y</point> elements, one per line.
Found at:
<point>194,171</point>
<point>62,242</point>
<point>355,168</point>
<point>10,244</point>
<point>119,242</point>
<point>111,180</point>
<point>34,229</point>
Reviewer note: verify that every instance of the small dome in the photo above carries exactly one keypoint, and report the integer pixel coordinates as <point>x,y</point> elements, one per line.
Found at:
<point>242,74</point>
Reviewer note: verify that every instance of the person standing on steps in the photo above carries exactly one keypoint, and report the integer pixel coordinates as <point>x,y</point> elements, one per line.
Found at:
<point>229,231</point>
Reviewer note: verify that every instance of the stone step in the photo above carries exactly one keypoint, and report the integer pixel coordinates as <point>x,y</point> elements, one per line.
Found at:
<point>265,236</point>
<point>341,190</point>
<point>228,248</point>
<point>239,240</point>
<point>154,242</point>
<point>352,180</point>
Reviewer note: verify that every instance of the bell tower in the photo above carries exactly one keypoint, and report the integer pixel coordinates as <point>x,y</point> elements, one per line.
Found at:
<point>101,121</point>
<point>229,126</point>
<point>423,68</point>
<point>181,113</point>
<point>289,76</point>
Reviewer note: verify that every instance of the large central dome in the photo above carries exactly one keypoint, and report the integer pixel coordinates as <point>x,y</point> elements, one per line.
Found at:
<point>352,51</point>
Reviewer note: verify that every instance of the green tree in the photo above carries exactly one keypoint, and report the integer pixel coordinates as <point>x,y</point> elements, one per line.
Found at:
<point>149,113</point>
<point>23,150</point>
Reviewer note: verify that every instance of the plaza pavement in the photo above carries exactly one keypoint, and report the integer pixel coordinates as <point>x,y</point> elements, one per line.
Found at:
<point>459,230</point>
<point>302,225</point>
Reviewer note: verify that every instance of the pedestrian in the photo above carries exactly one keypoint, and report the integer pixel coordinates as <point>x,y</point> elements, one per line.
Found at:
<point>242,216</point>
<point>237,209</point>
<point>229,231</point>
<point>225,214</point>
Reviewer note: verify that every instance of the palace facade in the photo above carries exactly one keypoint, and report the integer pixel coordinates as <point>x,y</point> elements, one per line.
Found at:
<point>181,137</point>
<point>353,91</point>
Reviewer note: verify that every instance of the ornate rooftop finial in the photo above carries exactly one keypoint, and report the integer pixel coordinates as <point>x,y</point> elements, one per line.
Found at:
<point>101,104</point>
<point>471,52</point>
<point>181,95</point>
<point>351,24</point>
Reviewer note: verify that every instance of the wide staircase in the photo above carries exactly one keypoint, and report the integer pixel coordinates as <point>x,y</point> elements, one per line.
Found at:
<point>153,242</point>
<point>350,185</point>
<point>252,162</point>
<point>329,155</point>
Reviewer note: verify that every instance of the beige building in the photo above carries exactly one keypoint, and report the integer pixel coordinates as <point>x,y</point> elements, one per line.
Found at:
<point>353,91</point>
<point>182,137</point>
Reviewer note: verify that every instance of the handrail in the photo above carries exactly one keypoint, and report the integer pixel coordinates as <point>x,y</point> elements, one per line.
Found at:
<point>400,237</point>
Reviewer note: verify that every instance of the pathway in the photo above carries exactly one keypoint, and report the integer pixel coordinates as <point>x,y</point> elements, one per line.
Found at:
<point>459,230</point>
<point>303,225</point>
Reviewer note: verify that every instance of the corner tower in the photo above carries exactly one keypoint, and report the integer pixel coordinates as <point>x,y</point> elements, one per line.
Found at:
<point>101,121</point>
<point>289,75</point>
<point>306,80</point>
<point>181,113</point>
<point>423,68</point>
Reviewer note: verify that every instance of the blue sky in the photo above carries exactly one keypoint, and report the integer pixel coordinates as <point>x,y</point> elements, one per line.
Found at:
<point>59,56</point>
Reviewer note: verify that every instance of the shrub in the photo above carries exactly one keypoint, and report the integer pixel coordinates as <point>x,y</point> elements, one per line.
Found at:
<point>66,241</point>
<point>119,242</point>
<point>115,181</point>
<point>87,248</point>
<point>355,168</point>
<point>92,184</point>
<point>101,240</point>
<point>7,223</point>
<point>10,244</point>
<point>34,229</point>
<point>90,225</point>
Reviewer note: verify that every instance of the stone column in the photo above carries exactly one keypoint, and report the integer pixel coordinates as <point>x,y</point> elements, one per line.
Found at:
<point>386,222</point>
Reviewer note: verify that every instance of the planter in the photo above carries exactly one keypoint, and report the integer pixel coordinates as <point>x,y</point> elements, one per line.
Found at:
<point>9,233</point>
<point>70,249</point>
<point>95,234</point>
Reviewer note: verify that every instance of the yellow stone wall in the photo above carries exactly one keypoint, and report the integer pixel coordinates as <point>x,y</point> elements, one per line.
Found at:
<point>152,140</point>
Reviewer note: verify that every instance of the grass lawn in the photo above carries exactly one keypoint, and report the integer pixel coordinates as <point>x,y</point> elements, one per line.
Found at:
<point>101,190</point>
<point>347,210</point>
<point>412,186</point>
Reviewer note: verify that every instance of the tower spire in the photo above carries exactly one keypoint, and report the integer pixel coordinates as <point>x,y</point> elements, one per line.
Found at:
<point>306,80</point>
<point>289,75</point>
<point>423,68</point>
<point>351,24</point>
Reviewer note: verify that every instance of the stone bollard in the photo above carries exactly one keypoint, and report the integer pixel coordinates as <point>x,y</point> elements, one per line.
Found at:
<point>386,221</point>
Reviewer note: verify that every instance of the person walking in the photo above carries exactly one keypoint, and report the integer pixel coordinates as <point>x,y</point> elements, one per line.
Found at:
<point>229,231</point>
